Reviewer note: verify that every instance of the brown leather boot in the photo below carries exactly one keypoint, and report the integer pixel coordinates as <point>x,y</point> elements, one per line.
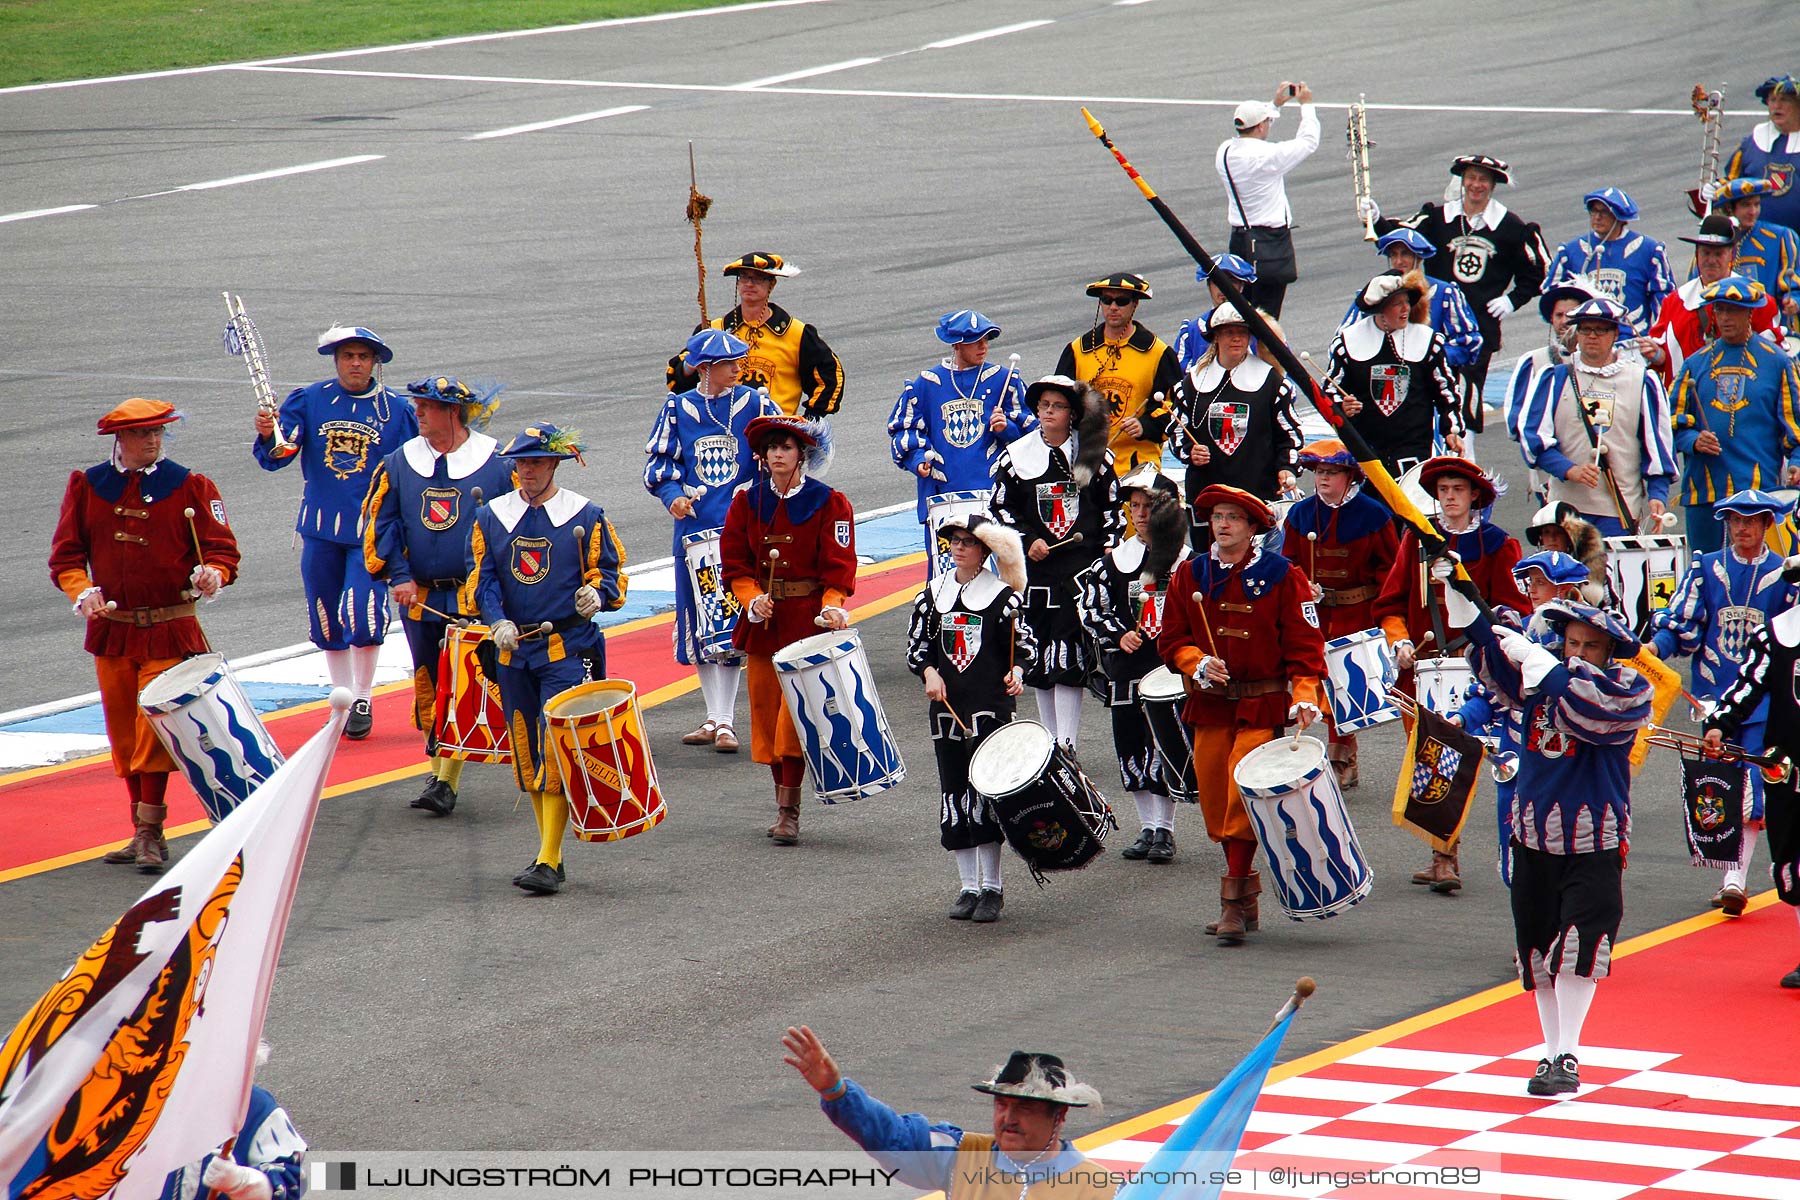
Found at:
<point>1342,756</point>
<point>1233,890</point>
<point>1430,874</point>
<point>1448,879</point>
<point>128,852</point>
<point>1252,910</point>
<point>786,830</point>
<point>152,851</point>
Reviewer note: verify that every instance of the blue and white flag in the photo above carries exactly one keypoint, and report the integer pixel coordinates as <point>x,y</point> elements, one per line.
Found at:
<point>1192,1164</point>
<point>138,1060</point>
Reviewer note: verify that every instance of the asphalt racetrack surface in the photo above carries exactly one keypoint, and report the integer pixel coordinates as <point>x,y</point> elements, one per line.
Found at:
<point>424,1003</point>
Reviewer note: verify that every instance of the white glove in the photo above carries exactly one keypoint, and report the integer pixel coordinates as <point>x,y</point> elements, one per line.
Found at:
<point>240,1183</point>
<point>1403,653</point>
<point>1538,663</point>
<point>1499,307</point>
<point>207,580</point>
<point>1367,209</point>
<point>1514,645</point>
<point>587,600</point>
<point>1460,610</point>
<point>1442,569</point>
<point>505,636</point>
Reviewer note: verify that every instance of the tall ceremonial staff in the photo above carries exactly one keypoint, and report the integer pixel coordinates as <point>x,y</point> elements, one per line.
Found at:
<point>1377,474</point>
<point>697,208</point>
<point>244,341</point>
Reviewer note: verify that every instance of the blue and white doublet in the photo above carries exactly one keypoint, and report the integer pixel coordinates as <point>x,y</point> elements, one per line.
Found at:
<point>1633,269</point>
<point>941,418</point>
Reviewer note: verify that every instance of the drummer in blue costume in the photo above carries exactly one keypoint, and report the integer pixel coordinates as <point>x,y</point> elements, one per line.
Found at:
<point>1725,597</point>
<point>1450,312</point>
<point>951,421</point>
<point>1736,407</point>
<point>416,521</point>
<point>343,427</point>
<point>1191,342</point>
<point>1624,266</point>
<point>528,567</point>
<point>697,458</point>
<point>1545,576</point>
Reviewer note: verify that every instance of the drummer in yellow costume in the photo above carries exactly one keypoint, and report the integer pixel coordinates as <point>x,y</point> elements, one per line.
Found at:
<point>787,357</point>
<point>1130,366</point>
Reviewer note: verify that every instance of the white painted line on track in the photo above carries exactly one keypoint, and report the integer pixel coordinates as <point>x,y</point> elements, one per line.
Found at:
<point>462,40</point>
<point>808,73</point>
<point>44,212</point>
<point>258,176</point>
<point>1128,3</point>
<point>557,123</point>
<point>966,38</point>
<point>981,97</point>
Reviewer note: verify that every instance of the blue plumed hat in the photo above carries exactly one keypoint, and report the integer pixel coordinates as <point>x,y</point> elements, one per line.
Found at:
<point>1775,85</point>
<point>1240,269</point>
<point>1753,502</point>
<point>478,407</point>
<point>337,335</point>
<point>714,346</point>
<point>1615,199</point>
<point>1412,239</point>
<point>1561,569</point>
<point>1558,613</point>
<point>965,325</point>
<point>546,441</point>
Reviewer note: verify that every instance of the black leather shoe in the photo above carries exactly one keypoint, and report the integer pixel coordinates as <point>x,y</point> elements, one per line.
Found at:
<point>1164,849</point>
<point>964,908</point>
<point>1141,848</point>
<point>438,797</point>
<point>1540,1082</point>
<point>561,877</point>
<point>1791,979</point>
<point>360,723</point>
<point>1565,1075</point>
<point>987,908</point>
<point>541,880</point>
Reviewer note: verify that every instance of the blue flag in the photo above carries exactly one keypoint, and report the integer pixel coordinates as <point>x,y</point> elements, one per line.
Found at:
<point>1192,1164</point>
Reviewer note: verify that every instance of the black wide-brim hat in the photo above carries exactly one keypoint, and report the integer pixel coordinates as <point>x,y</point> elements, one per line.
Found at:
<point>1039,1077</point>
<point>1499,168</point>
<point>1136,285</point>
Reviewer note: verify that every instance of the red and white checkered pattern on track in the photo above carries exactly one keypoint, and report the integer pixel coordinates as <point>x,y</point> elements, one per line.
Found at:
<point>1690,1070</point>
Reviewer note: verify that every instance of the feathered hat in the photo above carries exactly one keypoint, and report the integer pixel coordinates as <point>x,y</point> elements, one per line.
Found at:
<point>1039,1077</point>
<point>478,408</point>
<point>1003,543</point>
<point>1166,526</point>
<point>546,441</point>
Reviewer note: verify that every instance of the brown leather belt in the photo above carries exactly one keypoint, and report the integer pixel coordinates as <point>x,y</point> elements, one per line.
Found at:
<point>143,618</point>
<point>1344,597</point>
<point>788,589</point>
<point>1249,687</point>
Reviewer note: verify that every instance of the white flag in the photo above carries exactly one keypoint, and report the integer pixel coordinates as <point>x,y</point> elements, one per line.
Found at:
<point>138,1061</point>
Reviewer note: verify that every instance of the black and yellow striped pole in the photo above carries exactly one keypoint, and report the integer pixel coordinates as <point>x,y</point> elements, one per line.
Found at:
<point>1359,448</point>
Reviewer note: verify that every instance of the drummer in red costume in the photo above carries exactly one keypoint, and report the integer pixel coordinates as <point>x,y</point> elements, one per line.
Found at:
<point>1345,539</point>
<point>789,554</point>
<point>124,553</point>
<point>1463,490</point>
<point>1252,637</point>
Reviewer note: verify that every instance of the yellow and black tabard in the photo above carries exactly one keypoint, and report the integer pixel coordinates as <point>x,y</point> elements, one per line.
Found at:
<point>1129,374</point>
<point>787,357</point>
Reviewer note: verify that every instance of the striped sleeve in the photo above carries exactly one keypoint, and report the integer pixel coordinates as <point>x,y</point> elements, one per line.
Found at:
<point>1681,626</point>
<point>907,436</point>
<point>604,559</point>
<point>1094,607</point>
<point>1602,707</point>
<point>1537,420</point>
<point>1656,432</point>
<point>1742,697</point>
<point>664,469</point>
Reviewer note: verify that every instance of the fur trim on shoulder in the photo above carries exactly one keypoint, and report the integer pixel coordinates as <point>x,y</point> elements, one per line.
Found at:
<point>1421,309</point>
<point>1167,533</point>
<point>1590,551</point>
<point>1006,547</point>
<point>1093,428</point>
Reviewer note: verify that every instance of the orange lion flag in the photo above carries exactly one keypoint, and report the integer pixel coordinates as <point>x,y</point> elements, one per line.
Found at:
<point>137,1062</point>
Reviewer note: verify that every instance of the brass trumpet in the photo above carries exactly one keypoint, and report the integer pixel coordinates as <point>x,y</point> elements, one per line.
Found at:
<point>1356,132</point>
<point>1776,768</point>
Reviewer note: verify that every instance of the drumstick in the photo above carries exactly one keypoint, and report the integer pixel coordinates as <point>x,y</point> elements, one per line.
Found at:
<point>199,554</point>
<point>967,732</point>
<point>1312,554</point>
<point>1072,540</point>
<point>1200,606</point>
<point>543,627</point>
<point>774,557</point>
<point>436,612</point>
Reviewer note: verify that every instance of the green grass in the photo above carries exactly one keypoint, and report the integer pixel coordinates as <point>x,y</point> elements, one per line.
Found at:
<point>44,40</point>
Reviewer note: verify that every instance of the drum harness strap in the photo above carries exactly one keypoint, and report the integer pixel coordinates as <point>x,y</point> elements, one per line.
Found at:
<point>145,617</point>
<point>1344,597</point>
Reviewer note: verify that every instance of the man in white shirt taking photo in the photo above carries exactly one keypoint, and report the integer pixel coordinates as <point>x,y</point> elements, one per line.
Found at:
<point>1254,171</point>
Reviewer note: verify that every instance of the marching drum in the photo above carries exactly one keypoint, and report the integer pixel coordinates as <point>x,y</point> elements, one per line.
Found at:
<point>716,607</point>
<point>946,506</point>
<point>1643,570</point>
<point>830,693</point>
<point>1442,684</point>
<point>1293,799</point>
<point>204,719</point>
<point>1359,669</point>
<point>597,743</point>
<point>1161,695</point>
<point>471,721</point>
<point>1051,813</point>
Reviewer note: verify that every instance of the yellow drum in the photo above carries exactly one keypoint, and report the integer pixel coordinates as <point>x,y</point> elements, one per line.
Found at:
<point>598,746</point>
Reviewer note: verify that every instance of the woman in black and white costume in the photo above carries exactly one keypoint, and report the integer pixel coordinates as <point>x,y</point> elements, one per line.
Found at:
<point>967,643</point>
<point>1056,488</point>
<point>1121,604</point>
